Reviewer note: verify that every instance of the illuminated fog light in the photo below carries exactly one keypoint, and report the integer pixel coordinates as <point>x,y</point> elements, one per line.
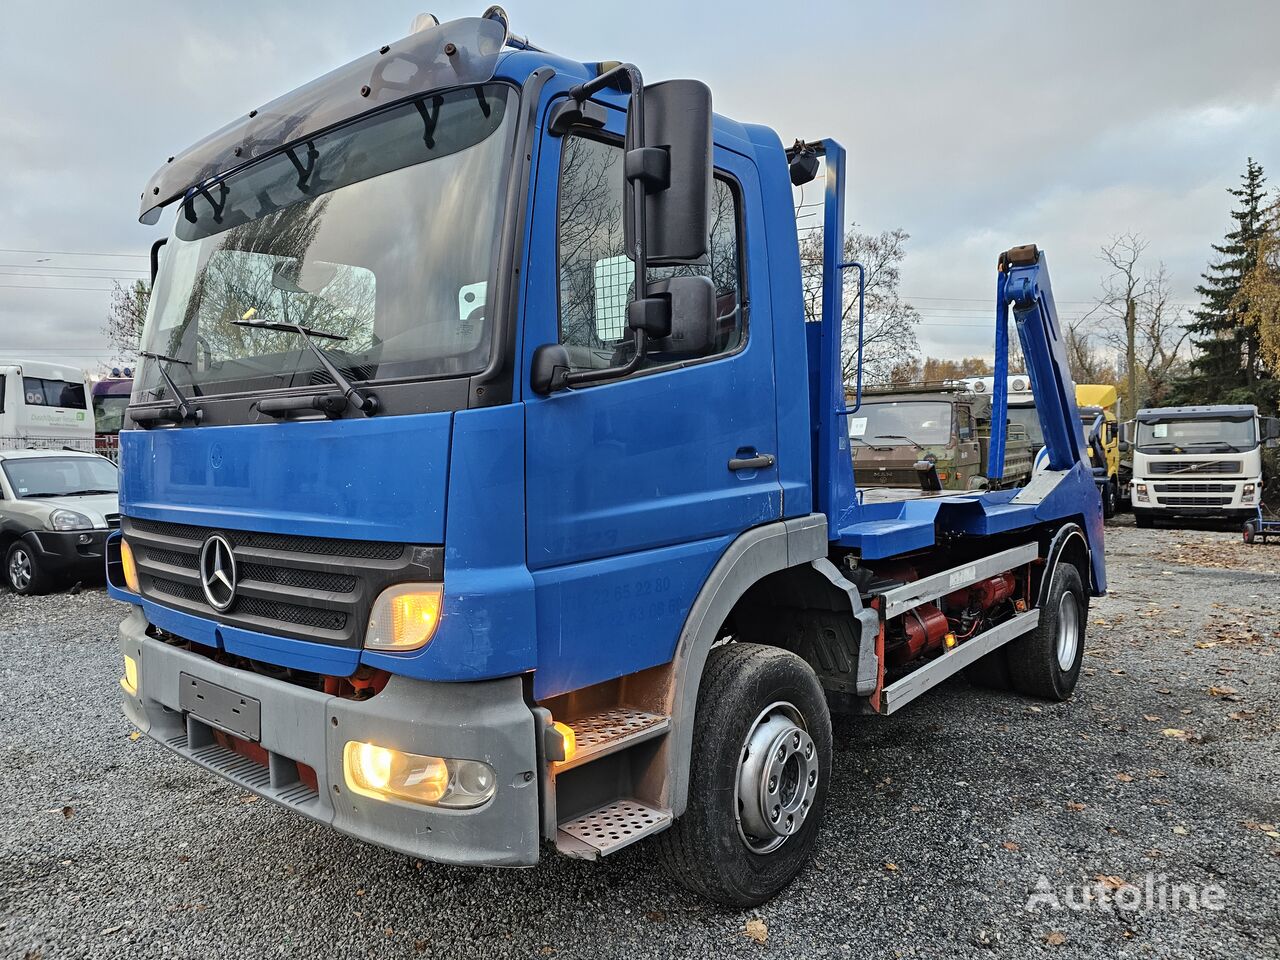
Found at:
<point>411,778</point>
<point>129,682</point>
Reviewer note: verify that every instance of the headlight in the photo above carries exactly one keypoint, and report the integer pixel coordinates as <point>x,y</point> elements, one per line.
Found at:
<point>399,777</point>
<point>129,567</point>
<point>404,617</point>
<point>1249,488</point>
<point>63,519</point>
<point>1141,489</point>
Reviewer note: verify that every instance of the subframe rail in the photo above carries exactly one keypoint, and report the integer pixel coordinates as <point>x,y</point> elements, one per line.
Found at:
<point>900,600</point>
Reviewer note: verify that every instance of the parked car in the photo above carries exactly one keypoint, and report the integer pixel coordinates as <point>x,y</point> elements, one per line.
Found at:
<point>56,509</point>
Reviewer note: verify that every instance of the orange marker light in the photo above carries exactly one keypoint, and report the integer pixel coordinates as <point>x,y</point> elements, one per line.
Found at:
<point>949,640</point>
<point>405,617</point>
<point>129,566</point>
<point>570,739</point>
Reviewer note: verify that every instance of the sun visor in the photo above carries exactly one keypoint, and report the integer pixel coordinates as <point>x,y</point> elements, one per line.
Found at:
<point>457,53</point>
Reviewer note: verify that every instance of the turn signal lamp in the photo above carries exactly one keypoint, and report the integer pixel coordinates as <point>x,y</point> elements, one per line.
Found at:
<point>129,682</point>
<point>405,616</point>
<point>570,740</point>
<point>949,640</point>
<point>129,566</point>
<point>395,776</point>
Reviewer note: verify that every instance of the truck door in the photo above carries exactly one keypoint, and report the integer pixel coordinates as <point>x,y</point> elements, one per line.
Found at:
<point>635,486</point>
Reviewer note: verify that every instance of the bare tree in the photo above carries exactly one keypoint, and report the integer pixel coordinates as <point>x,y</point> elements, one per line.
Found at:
<point>889,339</point>
<point>1139,318</point>
<point>126,315</point>
<point>1258,299</point>
<point>1088,364</point>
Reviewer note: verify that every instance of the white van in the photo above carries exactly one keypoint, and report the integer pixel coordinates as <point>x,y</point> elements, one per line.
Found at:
<point>44,405</point>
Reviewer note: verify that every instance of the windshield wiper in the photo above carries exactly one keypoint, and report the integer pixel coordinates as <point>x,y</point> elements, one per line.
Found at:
<point>897,436</point>
<point>184,408</point>
<point>366,403</point>
<point>871,445</point>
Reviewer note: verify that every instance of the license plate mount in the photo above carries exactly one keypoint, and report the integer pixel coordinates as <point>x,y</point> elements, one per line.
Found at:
<point>231,712</point>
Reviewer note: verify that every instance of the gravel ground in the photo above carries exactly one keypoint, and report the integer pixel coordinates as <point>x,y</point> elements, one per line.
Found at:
<point>941,820</point>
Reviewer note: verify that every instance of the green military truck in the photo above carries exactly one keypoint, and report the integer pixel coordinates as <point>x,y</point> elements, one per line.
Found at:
<point>932,437</point>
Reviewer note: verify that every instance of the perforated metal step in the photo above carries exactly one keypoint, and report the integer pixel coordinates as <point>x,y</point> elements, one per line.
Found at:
<point>616,825</point>
<point>612,730</point>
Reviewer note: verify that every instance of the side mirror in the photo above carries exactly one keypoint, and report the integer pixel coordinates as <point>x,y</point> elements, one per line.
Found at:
<point>1270,428</point>
<point>1124,446</point>
<point>670,161</point>
<point>549,369</point>
<point>677,315</point>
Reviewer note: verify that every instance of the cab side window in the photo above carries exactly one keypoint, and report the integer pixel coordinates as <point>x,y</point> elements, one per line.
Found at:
<point>597,278</point>
<point>964,423</point>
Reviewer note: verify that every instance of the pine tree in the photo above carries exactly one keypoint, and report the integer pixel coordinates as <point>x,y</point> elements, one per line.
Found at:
<point>1228,364</point>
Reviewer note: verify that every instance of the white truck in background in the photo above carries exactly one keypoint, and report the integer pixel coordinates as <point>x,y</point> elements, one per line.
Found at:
<point>1199,462</point>
<point>44,405</point>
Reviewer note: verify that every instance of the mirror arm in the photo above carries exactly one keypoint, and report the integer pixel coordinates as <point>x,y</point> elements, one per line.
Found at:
<point>155,258</point>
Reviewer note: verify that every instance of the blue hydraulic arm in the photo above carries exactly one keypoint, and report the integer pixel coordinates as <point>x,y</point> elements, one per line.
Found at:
<point>1023,285</point>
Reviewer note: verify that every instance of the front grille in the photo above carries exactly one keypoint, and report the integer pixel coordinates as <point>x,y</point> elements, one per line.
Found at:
<point>1194,487</point>
<point>358,549</point>
<point>1224,467</point>
<point>1193,501</point>
<point>309,588</point>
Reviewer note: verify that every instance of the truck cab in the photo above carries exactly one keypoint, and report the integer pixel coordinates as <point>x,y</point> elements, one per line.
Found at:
<point>1099,404</point>
<point>931,437</point>
<point>486,492</point>
<point>44,405</point>
<point>1199,461</point>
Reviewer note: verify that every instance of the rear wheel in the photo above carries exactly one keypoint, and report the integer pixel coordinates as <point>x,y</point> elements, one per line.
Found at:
<point>1046,662</point>
<point>758,777</point>
<point>1110,500</point>
<point>23,572</point>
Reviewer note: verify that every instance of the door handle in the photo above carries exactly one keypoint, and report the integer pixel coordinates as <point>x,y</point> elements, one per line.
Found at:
<point>759,462</point>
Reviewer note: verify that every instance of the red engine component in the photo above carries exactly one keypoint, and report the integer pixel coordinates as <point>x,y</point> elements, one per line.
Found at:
<point>923,629</point>
<point>984,594</point>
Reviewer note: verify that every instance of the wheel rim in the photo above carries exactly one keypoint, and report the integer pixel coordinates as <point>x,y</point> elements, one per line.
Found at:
<point>20,569</point>
<point>1068,630</point>
<point>777,778</point>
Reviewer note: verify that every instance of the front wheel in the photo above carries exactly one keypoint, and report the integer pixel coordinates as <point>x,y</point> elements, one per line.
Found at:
<point>23,572</point>
<point>1143,519</point>
<point>758,777</point>
<point>1046,662</point>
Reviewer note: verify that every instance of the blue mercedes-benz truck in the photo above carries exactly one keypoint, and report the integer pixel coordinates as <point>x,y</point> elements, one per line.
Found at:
<point>486,490</point>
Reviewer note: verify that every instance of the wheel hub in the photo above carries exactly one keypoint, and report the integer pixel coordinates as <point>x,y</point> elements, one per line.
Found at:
<point>20,569</point>
<point>1068,630</point>
<point>777,778</point>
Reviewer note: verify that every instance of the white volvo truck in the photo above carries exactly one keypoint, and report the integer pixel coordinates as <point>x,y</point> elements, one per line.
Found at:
<point>1199,462</point>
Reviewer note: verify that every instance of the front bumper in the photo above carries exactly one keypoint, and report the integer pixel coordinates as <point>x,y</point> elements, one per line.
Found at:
<point>1210,497</point>
<point>486,720</point>
<point>70,551</point>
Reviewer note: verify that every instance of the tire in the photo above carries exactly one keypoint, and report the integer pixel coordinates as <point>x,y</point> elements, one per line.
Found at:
<point>1110,500</point>
<point>22,570</point>
<point>1046,662</point>
<point>1143,519</point>
<point>770,696</point>
<point>1250,531</point>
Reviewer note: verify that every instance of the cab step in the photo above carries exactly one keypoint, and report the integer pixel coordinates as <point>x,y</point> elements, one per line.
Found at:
<point>611,827</point>
<point>600,734</point>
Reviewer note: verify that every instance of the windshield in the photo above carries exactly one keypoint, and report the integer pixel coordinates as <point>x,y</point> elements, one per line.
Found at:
<point>1028,417</point>
<point>886,423</point>
<point>382,232</point>
<point>61,476</point>
<point>108,413</point>
<point>1208,435</point>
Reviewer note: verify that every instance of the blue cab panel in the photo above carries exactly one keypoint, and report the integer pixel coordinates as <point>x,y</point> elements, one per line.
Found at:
<point>376,479</point>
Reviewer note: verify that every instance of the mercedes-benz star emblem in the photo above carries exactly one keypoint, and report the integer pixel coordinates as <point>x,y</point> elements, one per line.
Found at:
<point>218,572</point>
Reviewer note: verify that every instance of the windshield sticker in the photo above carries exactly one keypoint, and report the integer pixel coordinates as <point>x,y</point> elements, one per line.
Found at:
<point>1160,430</point>
<point>857,426</point>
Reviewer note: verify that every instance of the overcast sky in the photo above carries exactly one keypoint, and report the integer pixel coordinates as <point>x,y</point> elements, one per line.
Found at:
<point>972,126</point>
